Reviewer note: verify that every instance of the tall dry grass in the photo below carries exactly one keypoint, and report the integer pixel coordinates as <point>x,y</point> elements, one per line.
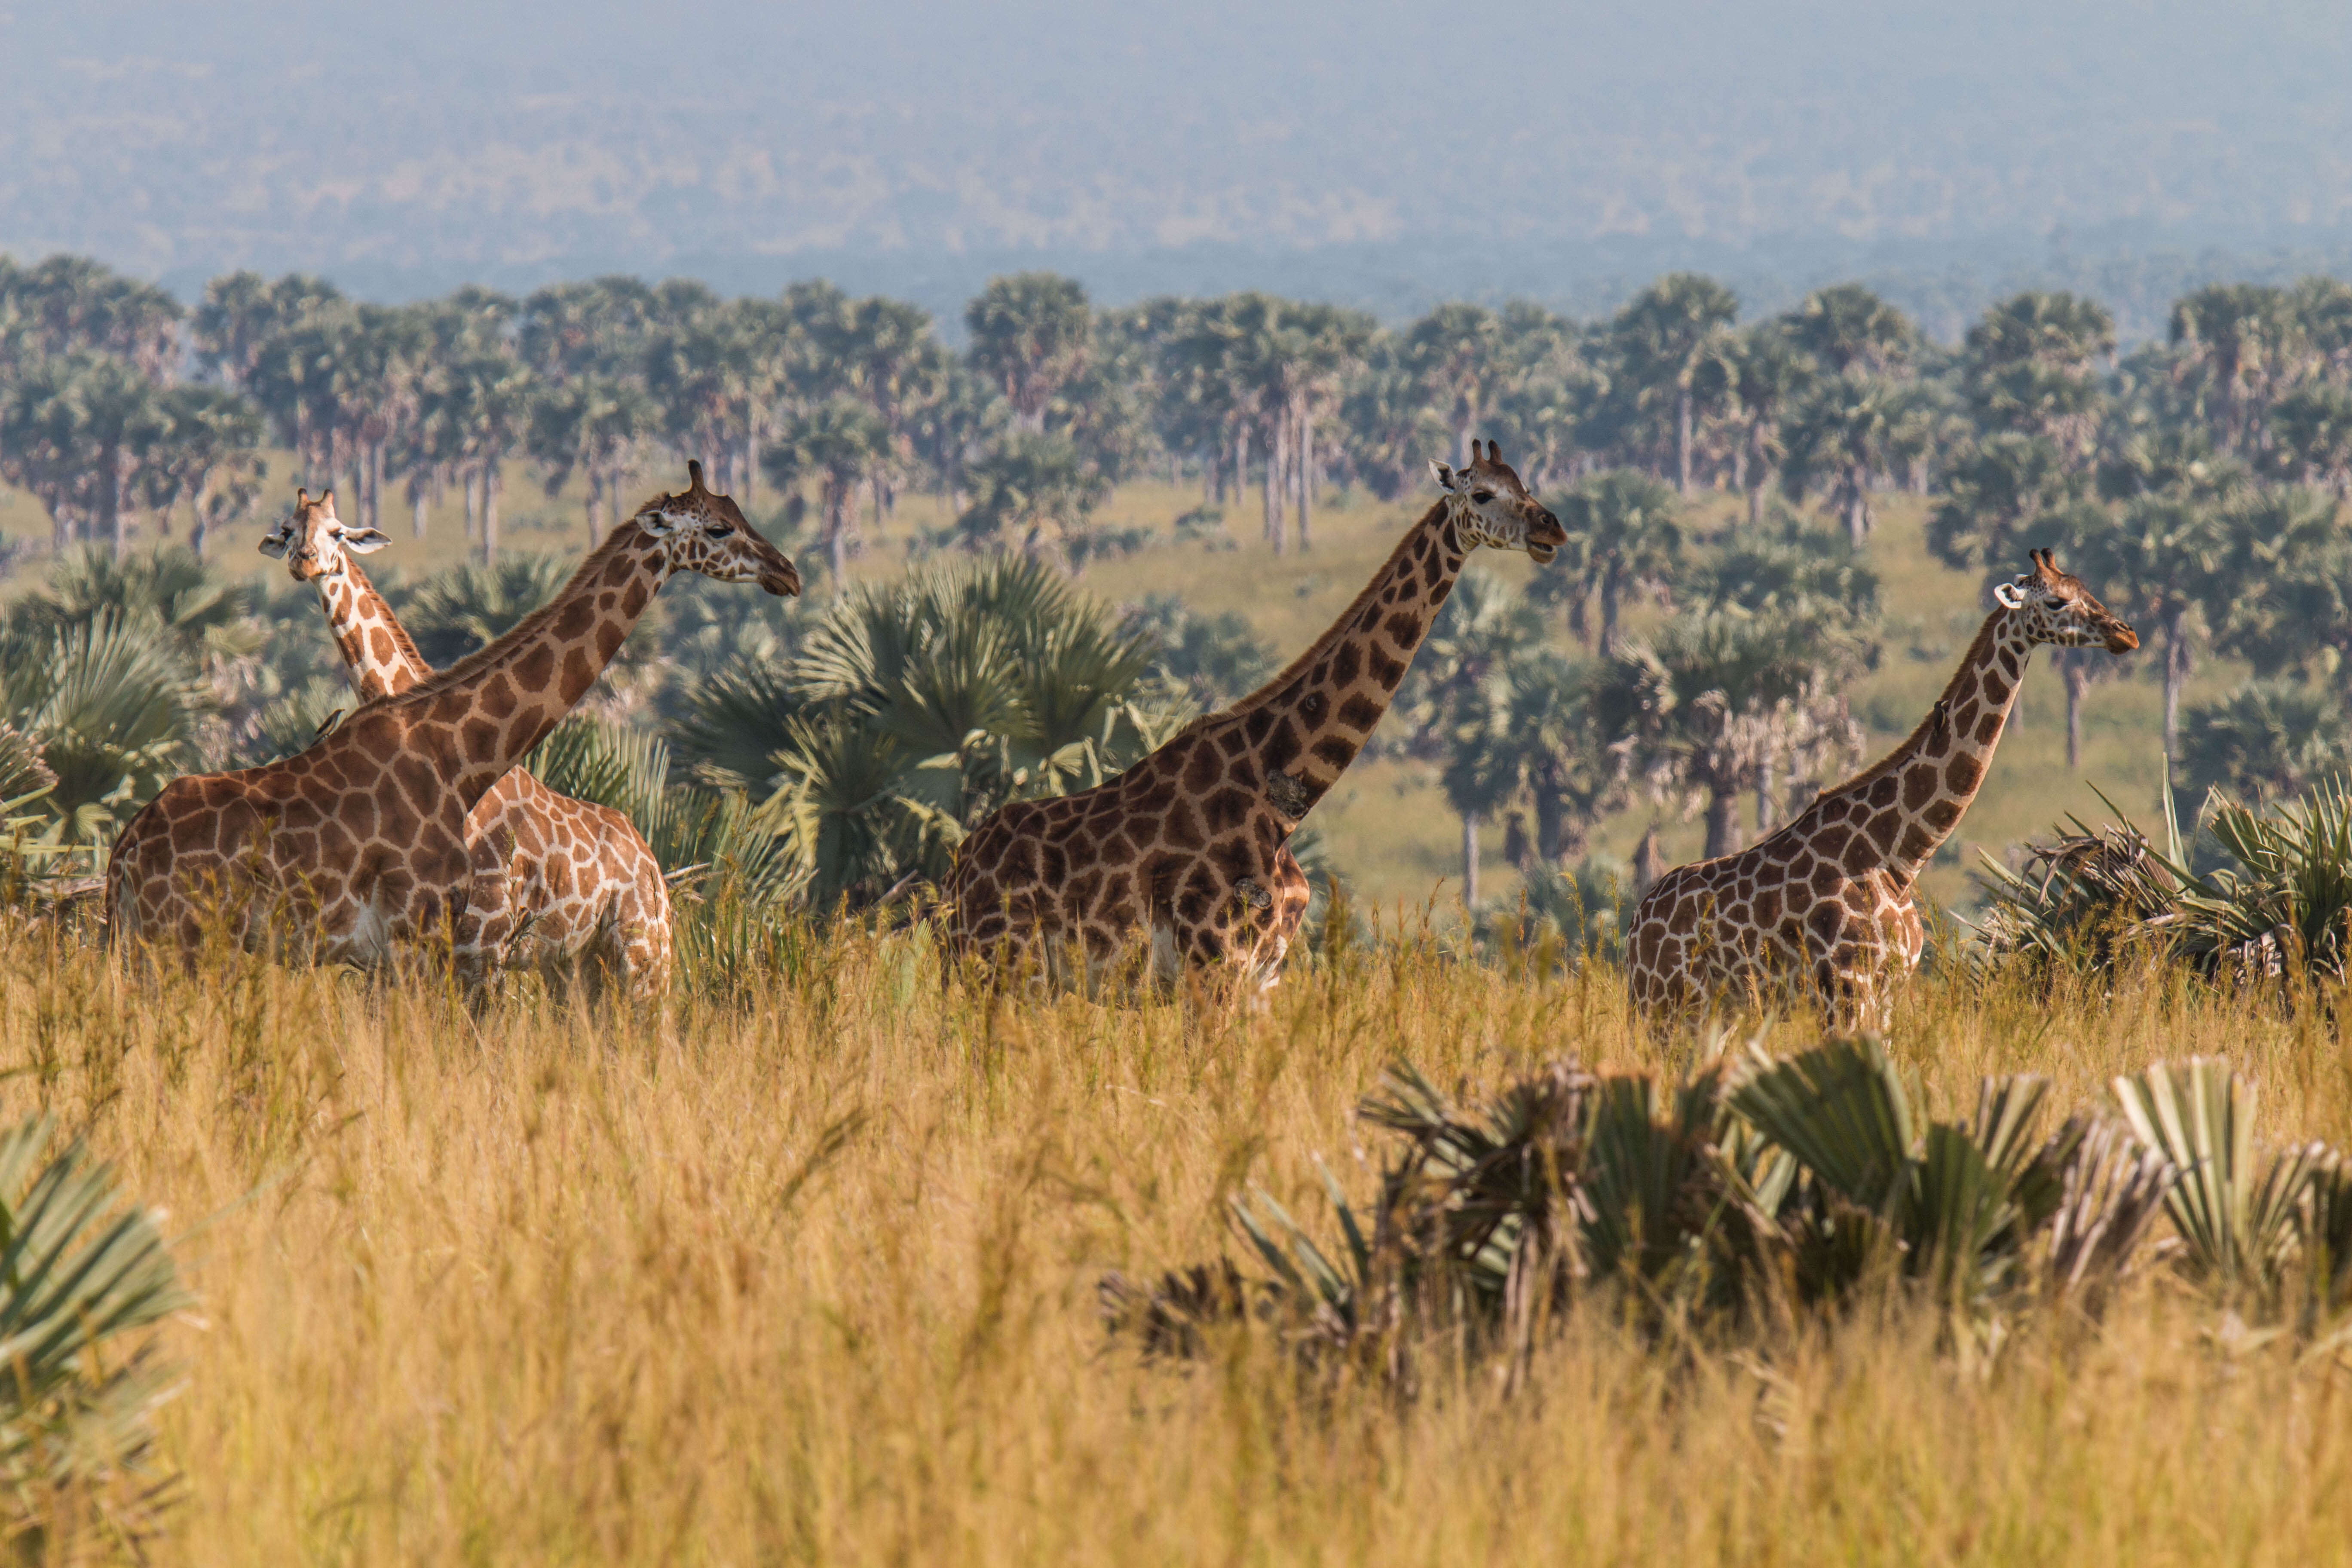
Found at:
<point>808,1275</point>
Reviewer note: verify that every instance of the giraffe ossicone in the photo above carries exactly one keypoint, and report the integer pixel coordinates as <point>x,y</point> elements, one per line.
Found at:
<point>554,880</point>
<point>1181,860</point>
<point>1825,904</point>
<point>357,845</point>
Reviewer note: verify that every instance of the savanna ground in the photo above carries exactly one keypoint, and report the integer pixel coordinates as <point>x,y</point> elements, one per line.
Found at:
<point>807,1272</point>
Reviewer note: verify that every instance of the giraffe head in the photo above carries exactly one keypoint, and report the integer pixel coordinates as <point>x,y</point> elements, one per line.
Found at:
<point>1491,507</point>
<point>702,530</point>
<point>2057,609</point>
<point>313,543</point>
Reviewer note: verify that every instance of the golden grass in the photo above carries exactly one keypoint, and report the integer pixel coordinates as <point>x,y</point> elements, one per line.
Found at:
<point>809,1275</point>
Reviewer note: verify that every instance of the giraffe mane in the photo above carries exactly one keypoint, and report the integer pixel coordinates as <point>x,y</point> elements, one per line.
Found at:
<point>1340,626</point>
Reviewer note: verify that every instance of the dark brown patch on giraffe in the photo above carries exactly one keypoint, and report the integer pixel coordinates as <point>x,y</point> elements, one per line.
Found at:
<point>577,616</point>
<point>1386,671</point>
<point>1405,629</point>
<point>1883,791</point>
<point>1919,785</point>
<point>1281,748</point>
<point>1346,665</point>
<point>1883,828</point>
<point>1917,843</point>
<point>1988,729</point>
<point>1963,771</point>
<point>619,570</point>
<point>1942,815</point>
<point>1335,751</point>
<point>633,603</point>
<point>536,670</point>
<point>1360,713</point>
<point>1825,878</point>
<point>1996,689</point>
<point>1767,905</point>
<point>608,640</point>
<point>1830,843</point>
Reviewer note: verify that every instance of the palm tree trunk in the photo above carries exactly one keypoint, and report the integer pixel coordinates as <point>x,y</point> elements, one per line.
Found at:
<point>473,477</point>
<point>490,515</point>
<point>416,496</point>
<point>1766,806</point>
<point>594,504</point>
<point>747,482</point>
<point>375,486</point>
<point>1611,592</point>
<point>1470,860</point>
<point>1276,449</point>
<point>1684,409</point>
<point>1722,823</point>
<point>2178,659</point>
<point>1857,506</point>
<point>2078,683</point>
<point>837,532</point>
<point>111,519</point>
<point>1241,460</point>
<point>1305,463</point>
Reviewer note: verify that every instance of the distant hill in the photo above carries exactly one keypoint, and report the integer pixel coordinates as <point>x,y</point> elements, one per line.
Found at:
<point>1384,154</point>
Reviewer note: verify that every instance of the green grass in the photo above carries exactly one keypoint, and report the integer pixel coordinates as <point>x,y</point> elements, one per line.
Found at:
<point>1388,826</point>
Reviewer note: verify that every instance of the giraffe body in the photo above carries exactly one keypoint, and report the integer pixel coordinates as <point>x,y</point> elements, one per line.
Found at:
<point>554,880</point>
<point>358,845</point>
<point>1180,863</point>
<point>1826,905</point>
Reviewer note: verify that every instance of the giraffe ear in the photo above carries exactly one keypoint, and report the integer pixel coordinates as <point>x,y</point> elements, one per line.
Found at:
<point>1443,473</point>
<point>273,544</point>
<point>2008,594</point>
<point>366,541</point>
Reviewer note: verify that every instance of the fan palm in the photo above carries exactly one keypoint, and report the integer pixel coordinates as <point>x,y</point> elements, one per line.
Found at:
<point>114,707</point>
<point>78,1274</point>
<point>464,608</point>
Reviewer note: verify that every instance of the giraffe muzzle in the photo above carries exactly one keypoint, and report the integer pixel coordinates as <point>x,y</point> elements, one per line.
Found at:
<point>2122,639</point>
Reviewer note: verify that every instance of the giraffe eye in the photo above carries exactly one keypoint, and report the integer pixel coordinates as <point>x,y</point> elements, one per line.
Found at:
<point>719,529</point>
<point>1482,496</point>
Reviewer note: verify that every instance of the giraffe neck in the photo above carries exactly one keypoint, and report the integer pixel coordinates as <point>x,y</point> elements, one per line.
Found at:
<point>500,701</point>
<point>1937,771</point>
<point>1306,725</point>
<point>377,653</point>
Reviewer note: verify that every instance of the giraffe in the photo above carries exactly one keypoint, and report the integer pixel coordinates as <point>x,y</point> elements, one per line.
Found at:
<point>553,879</point>
<point>358,844</point>
<point>1181,858</point>
<point>1827,899</point>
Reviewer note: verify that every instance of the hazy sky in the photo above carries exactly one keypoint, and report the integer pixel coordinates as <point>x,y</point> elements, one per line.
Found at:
<point>435,137</point>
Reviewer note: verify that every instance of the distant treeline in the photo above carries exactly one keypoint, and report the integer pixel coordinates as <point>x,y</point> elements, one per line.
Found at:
<point>118,405</point>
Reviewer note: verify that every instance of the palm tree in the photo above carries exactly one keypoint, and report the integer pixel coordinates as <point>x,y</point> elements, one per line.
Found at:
<point>886,353</point>
<point>1992,494</point>
<point>1481,625</point>
<point>1841,437</point>
<point>114,706</point>
<point>1037,491</point>
<point>1030,336</point>
<point>838,445</point>
<point>1847,327</point>
<point>467,607</point>
<point>74,305</point>
<point>2031,366</point>
<point>1453,351</point>
<point>2270,740</point>
<point>1719,702</point>
<point>1763,375</point>
<point>241,311</point>
<point>72,430</point>
<point>1625,536</point>
<point>1527,731</point>
<point>2313,429</point>
<point>1662,338</point>
<point>598,425</point>
<point>2240,339</point>
<point>2164,559</point>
